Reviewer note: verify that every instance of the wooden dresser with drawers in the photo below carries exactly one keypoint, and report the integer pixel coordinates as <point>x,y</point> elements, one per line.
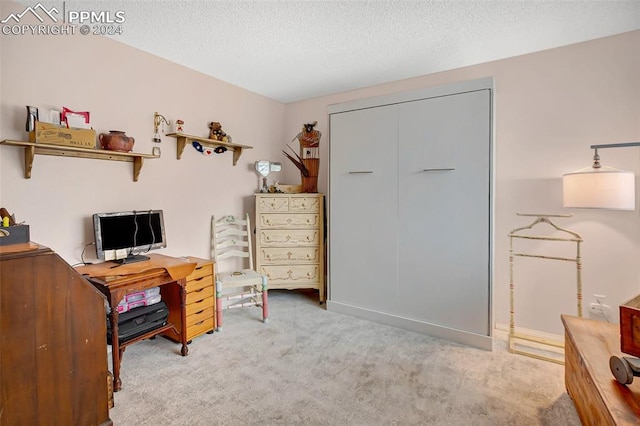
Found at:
<point>290,240</point>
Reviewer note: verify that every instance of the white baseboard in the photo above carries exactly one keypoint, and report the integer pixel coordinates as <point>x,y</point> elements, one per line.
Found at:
<point>458,336</point>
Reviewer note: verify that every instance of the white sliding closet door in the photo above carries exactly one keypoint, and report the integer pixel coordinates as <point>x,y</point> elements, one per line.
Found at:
<point>363,206</point>
<point>444,210</point>
<point>410,208</point>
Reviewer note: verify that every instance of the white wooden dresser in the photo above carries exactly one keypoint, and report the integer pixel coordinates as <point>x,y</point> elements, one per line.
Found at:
<point>290,240</point>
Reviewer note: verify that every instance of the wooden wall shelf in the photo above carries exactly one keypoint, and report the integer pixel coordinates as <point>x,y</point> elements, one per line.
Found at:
<point>183,139</point>
<point>33,148</point>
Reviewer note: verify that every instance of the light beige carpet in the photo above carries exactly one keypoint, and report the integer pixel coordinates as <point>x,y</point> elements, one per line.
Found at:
<point>309,366</point>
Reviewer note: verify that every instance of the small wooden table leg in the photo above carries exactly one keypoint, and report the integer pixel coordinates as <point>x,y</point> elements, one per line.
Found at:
<point>115,346</point>
<point>183,317</point>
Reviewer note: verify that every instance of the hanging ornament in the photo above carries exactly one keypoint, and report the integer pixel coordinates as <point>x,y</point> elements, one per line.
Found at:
<point>206,151</point>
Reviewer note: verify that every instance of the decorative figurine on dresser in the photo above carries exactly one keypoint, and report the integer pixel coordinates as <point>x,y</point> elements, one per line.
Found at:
<point>290,240</point>
<point>308,161</point>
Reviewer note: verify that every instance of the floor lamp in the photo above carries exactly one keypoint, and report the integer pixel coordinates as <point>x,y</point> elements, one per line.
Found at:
<point>600,187</point>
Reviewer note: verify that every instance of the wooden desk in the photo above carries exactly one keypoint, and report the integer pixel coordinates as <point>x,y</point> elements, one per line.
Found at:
<point>597,395</point>
<point>116,281</point>
<point>53,368</point>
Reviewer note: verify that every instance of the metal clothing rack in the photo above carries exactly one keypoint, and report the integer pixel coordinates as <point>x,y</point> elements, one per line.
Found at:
<point>573,237</point>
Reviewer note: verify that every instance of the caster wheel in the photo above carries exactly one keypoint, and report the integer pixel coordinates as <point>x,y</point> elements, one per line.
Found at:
<point>621,370</point>
<point>188,342</point>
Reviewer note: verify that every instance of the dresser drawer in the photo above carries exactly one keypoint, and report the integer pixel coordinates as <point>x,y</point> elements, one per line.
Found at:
<point>197,295</point>
<point>288,203</point>
<point>200,305</point>
<point>289,255</point>
<point>272,204</point>
<point>304,204</point>
<point>289,221</point>
<point>283,237</point>
<point>198,283</point>
<point>291,274</point>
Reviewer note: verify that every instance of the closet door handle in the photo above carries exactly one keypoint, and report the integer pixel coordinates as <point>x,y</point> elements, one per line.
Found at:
<point>361,172</point>
<point>447,169</point>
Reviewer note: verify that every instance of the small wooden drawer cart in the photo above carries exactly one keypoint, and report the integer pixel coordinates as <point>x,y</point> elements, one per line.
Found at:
<point>200,301</point>
<point>290,240</point>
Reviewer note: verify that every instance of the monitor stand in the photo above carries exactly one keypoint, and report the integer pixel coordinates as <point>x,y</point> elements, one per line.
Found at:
<point>132,259</point>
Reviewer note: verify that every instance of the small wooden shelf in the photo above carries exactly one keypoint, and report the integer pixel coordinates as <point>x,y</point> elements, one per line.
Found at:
<point>33,148</point>
<point>149,334</point>
<point>183,139</point>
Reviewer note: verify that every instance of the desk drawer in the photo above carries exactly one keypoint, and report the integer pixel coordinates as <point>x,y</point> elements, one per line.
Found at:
<point>199,305</point>
<point>199,283</point>
<point>199,316</point>
<point>201,271</point>
<point>200,327</point>
<point>203,293</point>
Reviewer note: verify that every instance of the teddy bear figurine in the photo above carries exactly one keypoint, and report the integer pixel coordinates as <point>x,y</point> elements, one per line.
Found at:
<point>216,133</point>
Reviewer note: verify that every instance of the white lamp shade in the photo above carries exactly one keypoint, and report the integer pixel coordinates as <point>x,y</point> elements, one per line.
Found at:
<point>602,188</point>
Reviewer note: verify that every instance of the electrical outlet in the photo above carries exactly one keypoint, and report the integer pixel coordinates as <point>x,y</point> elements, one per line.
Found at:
<point>600,309</point>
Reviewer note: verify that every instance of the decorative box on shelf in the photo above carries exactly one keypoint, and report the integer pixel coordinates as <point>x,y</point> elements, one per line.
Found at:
<point>16,234</point>
<point>53,134</point>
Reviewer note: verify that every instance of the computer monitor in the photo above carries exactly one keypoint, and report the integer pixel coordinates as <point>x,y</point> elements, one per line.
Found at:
<point>123,236</point>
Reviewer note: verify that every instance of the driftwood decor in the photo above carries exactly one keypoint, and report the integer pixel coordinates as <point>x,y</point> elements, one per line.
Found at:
<point>516,234</point>
<point>308,161</point>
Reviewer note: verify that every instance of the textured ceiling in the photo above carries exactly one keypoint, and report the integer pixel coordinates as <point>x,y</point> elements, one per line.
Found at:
<point>296,50</point>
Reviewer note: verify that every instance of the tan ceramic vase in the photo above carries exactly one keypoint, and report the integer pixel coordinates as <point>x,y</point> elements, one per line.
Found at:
<point>116,140</point>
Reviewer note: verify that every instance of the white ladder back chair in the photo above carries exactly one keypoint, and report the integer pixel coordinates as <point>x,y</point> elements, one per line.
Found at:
<point>238,284</point>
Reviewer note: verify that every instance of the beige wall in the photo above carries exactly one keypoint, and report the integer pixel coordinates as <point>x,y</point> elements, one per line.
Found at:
<point>549,107</point>
<point>122,88</point>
